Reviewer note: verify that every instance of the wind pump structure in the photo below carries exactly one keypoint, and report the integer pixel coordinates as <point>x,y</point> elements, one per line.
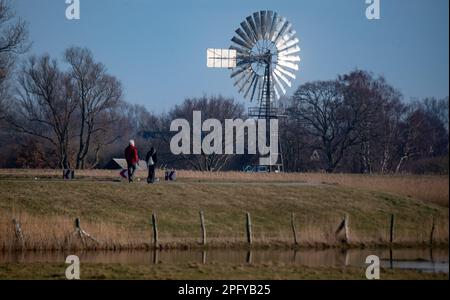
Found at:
<point>263,58</point>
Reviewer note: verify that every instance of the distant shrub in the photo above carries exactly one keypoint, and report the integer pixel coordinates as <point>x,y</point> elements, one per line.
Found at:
<point>435,165</point>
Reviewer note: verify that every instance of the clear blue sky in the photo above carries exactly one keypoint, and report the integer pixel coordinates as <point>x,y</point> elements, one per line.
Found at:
<point>158,48</point>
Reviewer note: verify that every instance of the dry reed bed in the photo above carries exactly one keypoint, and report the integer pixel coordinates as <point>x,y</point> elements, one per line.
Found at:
<point>56,233</point>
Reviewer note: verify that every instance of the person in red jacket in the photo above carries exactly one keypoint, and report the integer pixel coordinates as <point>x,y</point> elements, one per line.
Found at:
<point>131,155</point>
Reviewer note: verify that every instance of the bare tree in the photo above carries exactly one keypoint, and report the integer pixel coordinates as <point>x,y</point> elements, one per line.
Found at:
<point>322,108</point>
<point>438,108</point>
<point>115,136</point>
<point>98,94</point>
<point>297,146</point>
<point>423,135</point>
<point>45,105</point>
<point>13,41</point>
<point>214,107</point>
<point>371,101</point>
<point>391,114</point>
<point>347,118</point>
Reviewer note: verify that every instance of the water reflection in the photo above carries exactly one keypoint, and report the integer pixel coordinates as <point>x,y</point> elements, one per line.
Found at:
<point>204,257</point>
<point>430,260</point>
<point>155,257</point>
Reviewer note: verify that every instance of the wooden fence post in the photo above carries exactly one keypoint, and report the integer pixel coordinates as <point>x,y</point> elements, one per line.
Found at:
<point>79,231</point>
<point>202,225</point>
<point>433,228</point>
<point>155,230</point>
<point>391,258</point>
<point>344,225</point>
<point>18,232</point>
<point>249,229</point>
<point>392,229</point>
<point>155,256</point>
<point>204,257</point>
<point>83,234</point>
<point>249,258</point>
<point>347,228</point>
<point>77,224</point>
<point>294,230</point>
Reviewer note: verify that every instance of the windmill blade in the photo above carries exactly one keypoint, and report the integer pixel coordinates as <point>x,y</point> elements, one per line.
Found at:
<point>285,72</point>
<point>240,77</point>
<point>291,58</point>
<point>248,31</point>
<point>239,71</point>
<point>250,86</point>
<point>254,88</point>
<point>279,23</point>
<point>283,78</point>
<point>280,28</point>
<point>240,51</point>
<point>245,81</point>
<point>242,59</point>
<point>258,25</point>
<point>252,26</point>
<point>286,33</point>
<point>244,36</point>
<point>241,43</point>
<point>242,63</point>
<point>289,65</point>
<point>291,50</point>
<point>288,44</point>
<point>285,38</point>
<point>273,27</point>
<point>286,27</point>
<point>260,88</point>
<point>263,18</point>
<point>280,85</point>
<point>277,93</point>
<point>269,19</point>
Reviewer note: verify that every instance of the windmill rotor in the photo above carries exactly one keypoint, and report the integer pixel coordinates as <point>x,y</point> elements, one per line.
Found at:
<point>266,46</point>
<point>263,58</point>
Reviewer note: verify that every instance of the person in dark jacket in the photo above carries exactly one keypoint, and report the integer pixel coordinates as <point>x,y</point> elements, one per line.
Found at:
<point>132,158</point>
<point>151,160</point>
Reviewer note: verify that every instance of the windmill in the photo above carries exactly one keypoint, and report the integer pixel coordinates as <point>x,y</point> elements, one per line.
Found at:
<point>263,58</point>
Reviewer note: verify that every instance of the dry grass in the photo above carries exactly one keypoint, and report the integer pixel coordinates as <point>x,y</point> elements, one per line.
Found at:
<point>427,188</point>
<point>57,233</point>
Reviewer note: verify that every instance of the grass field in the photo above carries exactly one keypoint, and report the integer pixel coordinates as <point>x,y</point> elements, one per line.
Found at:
<point>427,188</point>
<point>196,271</point>
<point>118,214</point>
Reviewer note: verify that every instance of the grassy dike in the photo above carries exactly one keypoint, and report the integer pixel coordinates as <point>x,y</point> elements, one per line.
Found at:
<point>118,214</point>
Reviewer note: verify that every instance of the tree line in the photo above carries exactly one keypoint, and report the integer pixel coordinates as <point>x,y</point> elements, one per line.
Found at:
<point>70,112</point>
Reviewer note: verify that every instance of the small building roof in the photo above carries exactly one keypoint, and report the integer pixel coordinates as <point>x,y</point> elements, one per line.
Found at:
<point>122,163</point>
